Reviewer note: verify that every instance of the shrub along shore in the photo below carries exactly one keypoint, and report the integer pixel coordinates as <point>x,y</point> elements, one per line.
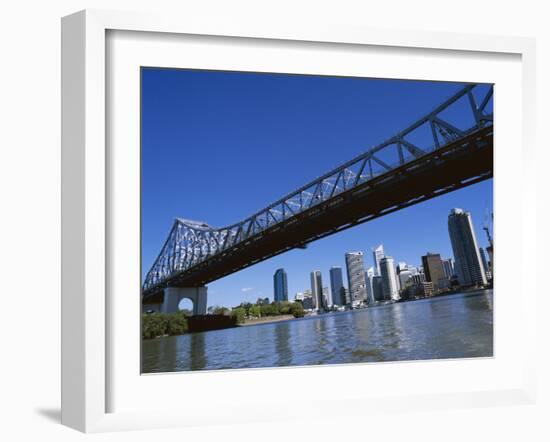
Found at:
<point>154,325</point>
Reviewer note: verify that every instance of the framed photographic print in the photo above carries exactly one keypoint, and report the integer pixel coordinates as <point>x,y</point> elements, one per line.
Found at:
<point>316,208</point>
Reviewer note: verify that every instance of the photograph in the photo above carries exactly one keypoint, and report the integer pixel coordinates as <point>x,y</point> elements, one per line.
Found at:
<point>304,220</point>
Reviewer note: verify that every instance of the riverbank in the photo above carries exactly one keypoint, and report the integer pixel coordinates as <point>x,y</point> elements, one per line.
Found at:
<point>266,320</point>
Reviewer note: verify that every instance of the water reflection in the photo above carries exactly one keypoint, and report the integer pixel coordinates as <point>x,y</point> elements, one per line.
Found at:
<point>198,351</point>
<point>282,345</point>
<point>447,327</point>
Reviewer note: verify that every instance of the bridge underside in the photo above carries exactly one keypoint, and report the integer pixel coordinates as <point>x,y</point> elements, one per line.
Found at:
<point>459,164</point>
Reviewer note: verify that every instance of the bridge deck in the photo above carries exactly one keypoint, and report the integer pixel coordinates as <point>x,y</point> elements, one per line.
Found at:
<point>459,164</point>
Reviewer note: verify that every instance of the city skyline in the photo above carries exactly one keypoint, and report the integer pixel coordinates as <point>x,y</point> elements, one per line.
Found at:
<point>396,279</point>
<point>217,103</point>
<point>298,277</point>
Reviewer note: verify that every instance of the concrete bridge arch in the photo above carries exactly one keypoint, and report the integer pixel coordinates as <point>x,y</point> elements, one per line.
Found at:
<point>174,295</point>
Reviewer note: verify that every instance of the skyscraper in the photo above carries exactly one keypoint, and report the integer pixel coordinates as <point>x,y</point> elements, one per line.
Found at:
<point>327,299</point>
<point>377,255</point>
<point>356,277</point>
<point>369,280</point>
<point>317,289</point>
<point>483,260</point>
<point>280,285</point>
<point>468,264</point>
<point>377,289</point>
<point>433,269</point>
<point>448,268</point>
<point>389,280</point>
<point>336,286</point>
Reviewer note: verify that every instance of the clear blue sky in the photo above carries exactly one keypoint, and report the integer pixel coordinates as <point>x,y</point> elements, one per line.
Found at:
<point>218,146</point>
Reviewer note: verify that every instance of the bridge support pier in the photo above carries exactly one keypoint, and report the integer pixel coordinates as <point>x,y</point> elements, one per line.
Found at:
<point>173,296</point>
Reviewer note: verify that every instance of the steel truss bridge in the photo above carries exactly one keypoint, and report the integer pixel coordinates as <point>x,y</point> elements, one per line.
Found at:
<point>366,187</point>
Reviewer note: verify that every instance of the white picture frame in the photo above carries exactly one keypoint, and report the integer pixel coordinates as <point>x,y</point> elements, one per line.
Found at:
<point>87,354</point>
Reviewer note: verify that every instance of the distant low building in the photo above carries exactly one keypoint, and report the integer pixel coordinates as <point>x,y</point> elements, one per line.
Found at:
<point>305,298</point>
<point>307,303</point>
<point>423,289</point>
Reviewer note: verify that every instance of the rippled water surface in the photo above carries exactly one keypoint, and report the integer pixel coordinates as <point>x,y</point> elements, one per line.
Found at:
<point>454,326</point>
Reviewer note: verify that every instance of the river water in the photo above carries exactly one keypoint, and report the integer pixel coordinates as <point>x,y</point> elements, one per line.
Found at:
<point>453,326</point>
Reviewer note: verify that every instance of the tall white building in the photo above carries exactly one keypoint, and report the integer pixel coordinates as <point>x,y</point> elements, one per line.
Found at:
<point>377,255</point>
<point>355,266</point>
<point>468,264</point>
<point>389,279</point>
<point>327,298</point>
<point>317,289</point>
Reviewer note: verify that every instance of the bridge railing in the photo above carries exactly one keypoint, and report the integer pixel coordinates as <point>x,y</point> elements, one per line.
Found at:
<point>190,243</point>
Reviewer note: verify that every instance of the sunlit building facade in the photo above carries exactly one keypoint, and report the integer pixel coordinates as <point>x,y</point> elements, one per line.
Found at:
<point>355,266</point>
<point>468,263</point>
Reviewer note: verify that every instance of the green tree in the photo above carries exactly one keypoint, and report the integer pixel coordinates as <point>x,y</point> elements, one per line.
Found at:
<point>284,308</point>
<point>297,309</point>
<point>176,324</point>
<point>254,311</point>
<point>152,325</point>
<point>161,324</point>
<point>268,310</point>
<point>220,310</point>
<point>239,314</point>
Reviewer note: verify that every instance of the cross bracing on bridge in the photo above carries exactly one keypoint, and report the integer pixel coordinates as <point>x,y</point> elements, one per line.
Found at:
<point>191,244</point>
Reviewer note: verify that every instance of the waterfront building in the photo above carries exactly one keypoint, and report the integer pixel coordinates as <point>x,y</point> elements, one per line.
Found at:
<point>448,268</point>
<point>404,276</point>
<point>307,303</point>
<point>422,289</point>
<point>280,285</point>
<point>305,298</point>
<point>468,264</point>
<point>317,289</point>
<point>327,298</point>
<point>345,296</point>
<point>356,277</point>
<point>433,269</point>
<point>418,278</point>
<point>377,289</point>
<point>336,286</point>
<point>426,289</point>
<point>401,266</point>
<point>389,280</point>
<point>377,255</point>
<point>484,262</point>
